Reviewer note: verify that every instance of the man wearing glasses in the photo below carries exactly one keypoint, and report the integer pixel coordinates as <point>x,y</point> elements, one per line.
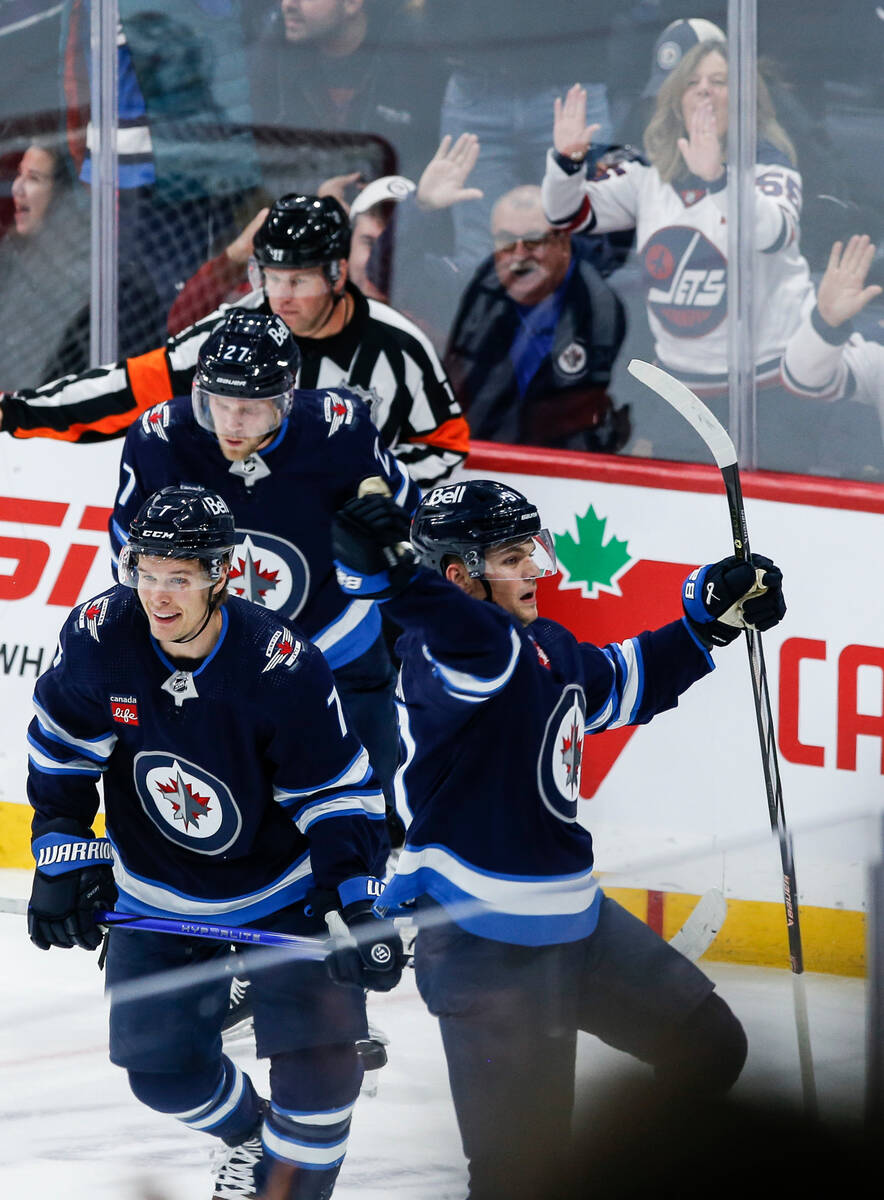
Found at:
<point>535,337</point>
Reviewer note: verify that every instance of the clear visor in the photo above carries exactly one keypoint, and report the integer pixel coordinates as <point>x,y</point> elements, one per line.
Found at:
<point>160,573</point>
<point>302,282</point>
<point>520,558</point>
<point>237,418</point>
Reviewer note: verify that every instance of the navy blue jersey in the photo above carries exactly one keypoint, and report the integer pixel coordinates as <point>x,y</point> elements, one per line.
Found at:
<point>282,499</point>
<point>492,721</point>
<point>229,789</point>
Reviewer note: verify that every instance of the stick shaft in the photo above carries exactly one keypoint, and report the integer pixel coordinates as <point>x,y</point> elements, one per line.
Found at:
<point>238,935</point>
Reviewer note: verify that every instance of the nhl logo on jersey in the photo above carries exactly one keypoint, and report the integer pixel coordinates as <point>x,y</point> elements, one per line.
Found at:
<point>338,412</point>
<point>561,755</point>
<point>186,803</point>
<point>156,421</point>
<point>283,649</point>
<point>92,614</point>
<point>269,571</point>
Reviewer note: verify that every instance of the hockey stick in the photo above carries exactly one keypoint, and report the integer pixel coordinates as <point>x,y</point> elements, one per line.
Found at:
<point>693,939</point>
<point>695,412</point>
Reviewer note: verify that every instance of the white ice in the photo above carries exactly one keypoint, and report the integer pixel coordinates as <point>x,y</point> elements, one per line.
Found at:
<point>70,1127</point>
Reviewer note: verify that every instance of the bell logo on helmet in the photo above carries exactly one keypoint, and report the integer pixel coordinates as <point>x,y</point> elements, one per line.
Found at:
<point>446,495</point>
<point>215,505</point>
<point>279,331</point>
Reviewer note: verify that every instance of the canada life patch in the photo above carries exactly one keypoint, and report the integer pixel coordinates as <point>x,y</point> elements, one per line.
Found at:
<point>124,709</point>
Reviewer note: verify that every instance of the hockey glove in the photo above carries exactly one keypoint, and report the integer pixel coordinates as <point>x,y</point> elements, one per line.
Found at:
<point>371,550</point>
<point>723,598</point>
<point>369,951</point>
<point>73,878</point>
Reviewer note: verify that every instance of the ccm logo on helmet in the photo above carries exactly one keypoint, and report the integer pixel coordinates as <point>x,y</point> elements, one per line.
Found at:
<point>157,533</point>
<point>447,495</point>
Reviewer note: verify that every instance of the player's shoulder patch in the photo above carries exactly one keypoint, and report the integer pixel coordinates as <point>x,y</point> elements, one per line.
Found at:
<point>161,420</point>
<point>155,421</point>
<point>283,649</point>
<point>91,616</point>
<point>339,410</point>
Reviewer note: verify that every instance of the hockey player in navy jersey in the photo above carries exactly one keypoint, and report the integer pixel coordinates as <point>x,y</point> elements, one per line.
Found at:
<point>284,460</point>
<point>518,947</point>
<point>234,791</point>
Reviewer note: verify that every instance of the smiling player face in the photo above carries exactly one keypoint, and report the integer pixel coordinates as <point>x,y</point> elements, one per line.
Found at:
<point>174,594</point>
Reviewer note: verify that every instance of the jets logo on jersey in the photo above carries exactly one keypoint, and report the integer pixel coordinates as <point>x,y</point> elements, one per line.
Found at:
<point>156,421</point>
<point>338,411</point>
<point>561,754</point>
<point>92,614</point>
<point>124,709</point>
<point>269,571</point>
<point>687,278</point>
<point>283,649</point>
<point>186,803</point>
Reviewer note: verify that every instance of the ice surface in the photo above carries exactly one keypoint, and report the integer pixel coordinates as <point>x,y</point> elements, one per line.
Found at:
<point>70,1127</point>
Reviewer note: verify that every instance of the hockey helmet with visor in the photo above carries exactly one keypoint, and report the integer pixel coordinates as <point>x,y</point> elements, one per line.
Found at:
<point>468,520</point>
<point>180,522</point>
<point>245,374</point>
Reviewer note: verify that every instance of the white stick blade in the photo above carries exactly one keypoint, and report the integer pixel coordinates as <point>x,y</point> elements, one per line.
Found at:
<point>691,407</point>
<point>701,928</point>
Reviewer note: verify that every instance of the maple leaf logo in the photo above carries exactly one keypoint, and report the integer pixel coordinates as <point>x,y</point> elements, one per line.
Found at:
<point>589,562</point>
<point>92,611</point>
<point>572,755</point>
<point>255,582</point>
<point>187,804</point>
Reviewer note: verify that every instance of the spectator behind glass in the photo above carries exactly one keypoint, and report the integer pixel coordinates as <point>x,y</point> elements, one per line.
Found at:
<point>186,155</point>
<point>45,274</point>
<point>678,207</point>
<point>349,65</point>
<point>508,61</point>
<point>535,337</point>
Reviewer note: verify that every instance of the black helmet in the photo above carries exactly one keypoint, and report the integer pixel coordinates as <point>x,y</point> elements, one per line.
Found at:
<point>464,520</point>
<point>303,231</point>
<point>180,521</point>
<point>248,356</point>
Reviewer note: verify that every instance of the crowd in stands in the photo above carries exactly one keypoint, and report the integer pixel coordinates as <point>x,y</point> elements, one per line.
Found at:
<point>542,191</point>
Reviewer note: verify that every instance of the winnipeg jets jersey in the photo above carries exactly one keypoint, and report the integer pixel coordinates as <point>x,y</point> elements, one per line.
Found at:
<point>282,498</point>
<point>682,245</point>
<point>229,790</point>
<point>492,723</point>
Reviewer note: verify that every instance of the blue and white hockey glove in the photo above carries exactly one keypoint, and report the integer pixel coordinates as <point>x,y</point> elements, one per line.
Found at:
<point>73,878</point>
<point>373,557</point>
<point>723,598</point>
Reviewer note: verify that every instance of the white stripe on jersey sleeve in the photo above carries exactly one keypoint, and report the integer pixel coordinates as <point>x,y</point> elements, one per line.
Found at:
<point>98,749</point>
<point>632,685</point>
<point>370,804</point>
<point>464,686</point>
<point>353,775</point>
